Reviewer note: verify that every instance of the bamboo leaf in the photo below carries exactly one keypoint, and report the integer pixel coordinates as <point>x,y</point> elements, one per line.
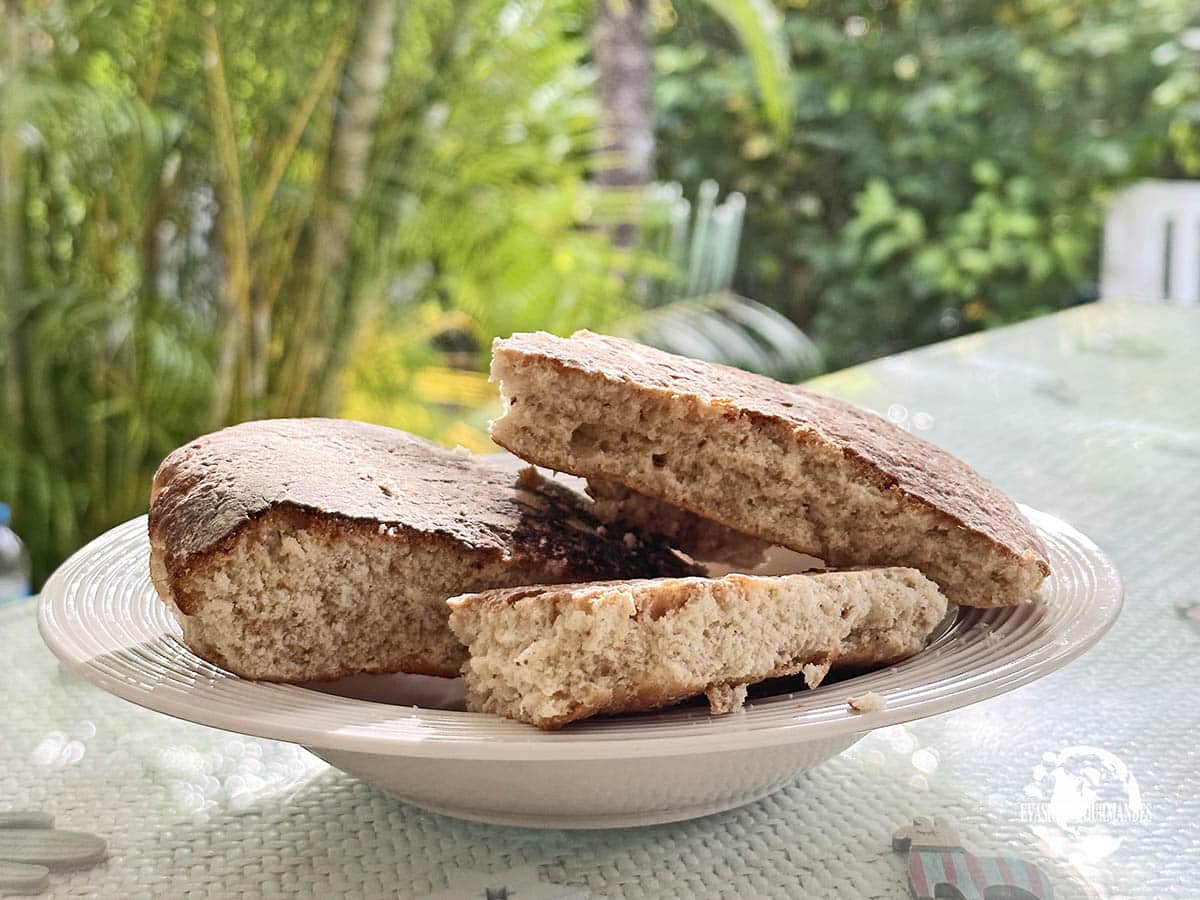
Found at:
<point>286,150</point>
<point>162,30</point>
<point>759,28</point>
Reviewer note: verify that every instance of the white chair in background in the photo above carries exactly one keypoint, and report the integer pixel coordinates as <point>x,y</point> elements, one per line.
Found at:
<point>1152,243</point>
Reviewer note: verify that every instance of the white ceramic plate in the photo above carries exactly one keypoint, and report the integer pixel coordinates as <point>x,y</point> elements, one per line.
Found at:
<point>101,617</point>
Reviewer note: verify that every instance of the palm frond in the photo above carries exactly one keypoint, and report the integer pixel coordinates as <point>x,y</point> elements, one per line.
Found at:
<point>732,330</point>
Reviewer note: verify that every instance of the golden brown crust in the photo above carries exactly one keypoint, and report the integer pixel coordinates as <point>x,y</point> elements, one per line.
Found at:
<point>886,457</point>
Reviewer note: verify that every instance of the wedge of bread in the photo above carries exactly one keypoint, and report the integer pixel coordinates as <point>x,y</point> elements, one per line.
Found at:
<point>308,549</point>
<point>773,461</point>
<point>552,655</point>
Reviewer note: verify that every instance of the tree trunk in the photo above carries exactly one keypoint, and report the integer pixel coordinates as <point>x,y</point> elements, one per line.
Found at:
<point>328,308</point>
<point>622,50</point>
<point>231,380</point>
<point>12,278</point>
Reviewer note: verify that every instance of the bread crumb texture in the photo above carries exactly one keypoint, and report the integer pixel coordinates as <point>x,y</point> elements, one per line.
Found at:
<point>552,655</point>
<point>309,549</point>
<point>781,464</point>
<point>868,702</point>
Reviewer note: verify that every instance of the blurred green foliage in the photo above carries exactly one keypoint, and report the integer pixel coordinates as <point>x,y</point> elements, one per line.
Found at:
<point>215,211</point>
<point>227,210</point>
<point>948,160</point>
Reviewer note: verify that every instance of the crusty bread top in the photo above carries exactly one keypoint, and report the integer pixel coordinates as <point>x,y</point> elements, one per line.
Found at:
<point>890,458</point>
<point>207,491</point>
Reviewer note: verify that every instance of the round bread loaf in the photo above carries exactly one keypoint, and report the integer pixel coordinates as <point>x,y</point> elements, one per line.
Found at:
<point>309,549</point>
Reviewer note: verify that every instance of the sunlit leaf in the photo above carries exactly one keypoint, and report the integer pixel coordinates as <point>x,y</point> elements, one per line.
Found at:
<point>759,27</point>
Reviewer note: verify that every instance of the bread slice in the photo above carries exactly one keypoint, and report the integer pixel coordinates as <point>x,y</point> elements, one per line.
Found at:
<point>782,464</point>
<point>551,655</point>
<point>309,549</point>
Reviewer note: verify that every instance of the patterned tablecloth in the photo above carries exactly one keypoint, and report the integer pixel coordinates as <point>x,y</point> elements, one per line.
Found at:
<point>1091,774</point>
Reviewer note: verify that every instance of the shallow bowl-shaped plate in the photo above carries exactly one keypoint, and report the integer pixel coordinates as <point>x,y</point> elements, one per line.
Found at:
<point>101,617</point>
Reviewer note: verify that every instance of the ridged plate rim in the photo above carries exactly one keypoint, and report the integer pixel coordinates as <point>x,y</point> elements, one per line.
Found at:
<point>100,616</point>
